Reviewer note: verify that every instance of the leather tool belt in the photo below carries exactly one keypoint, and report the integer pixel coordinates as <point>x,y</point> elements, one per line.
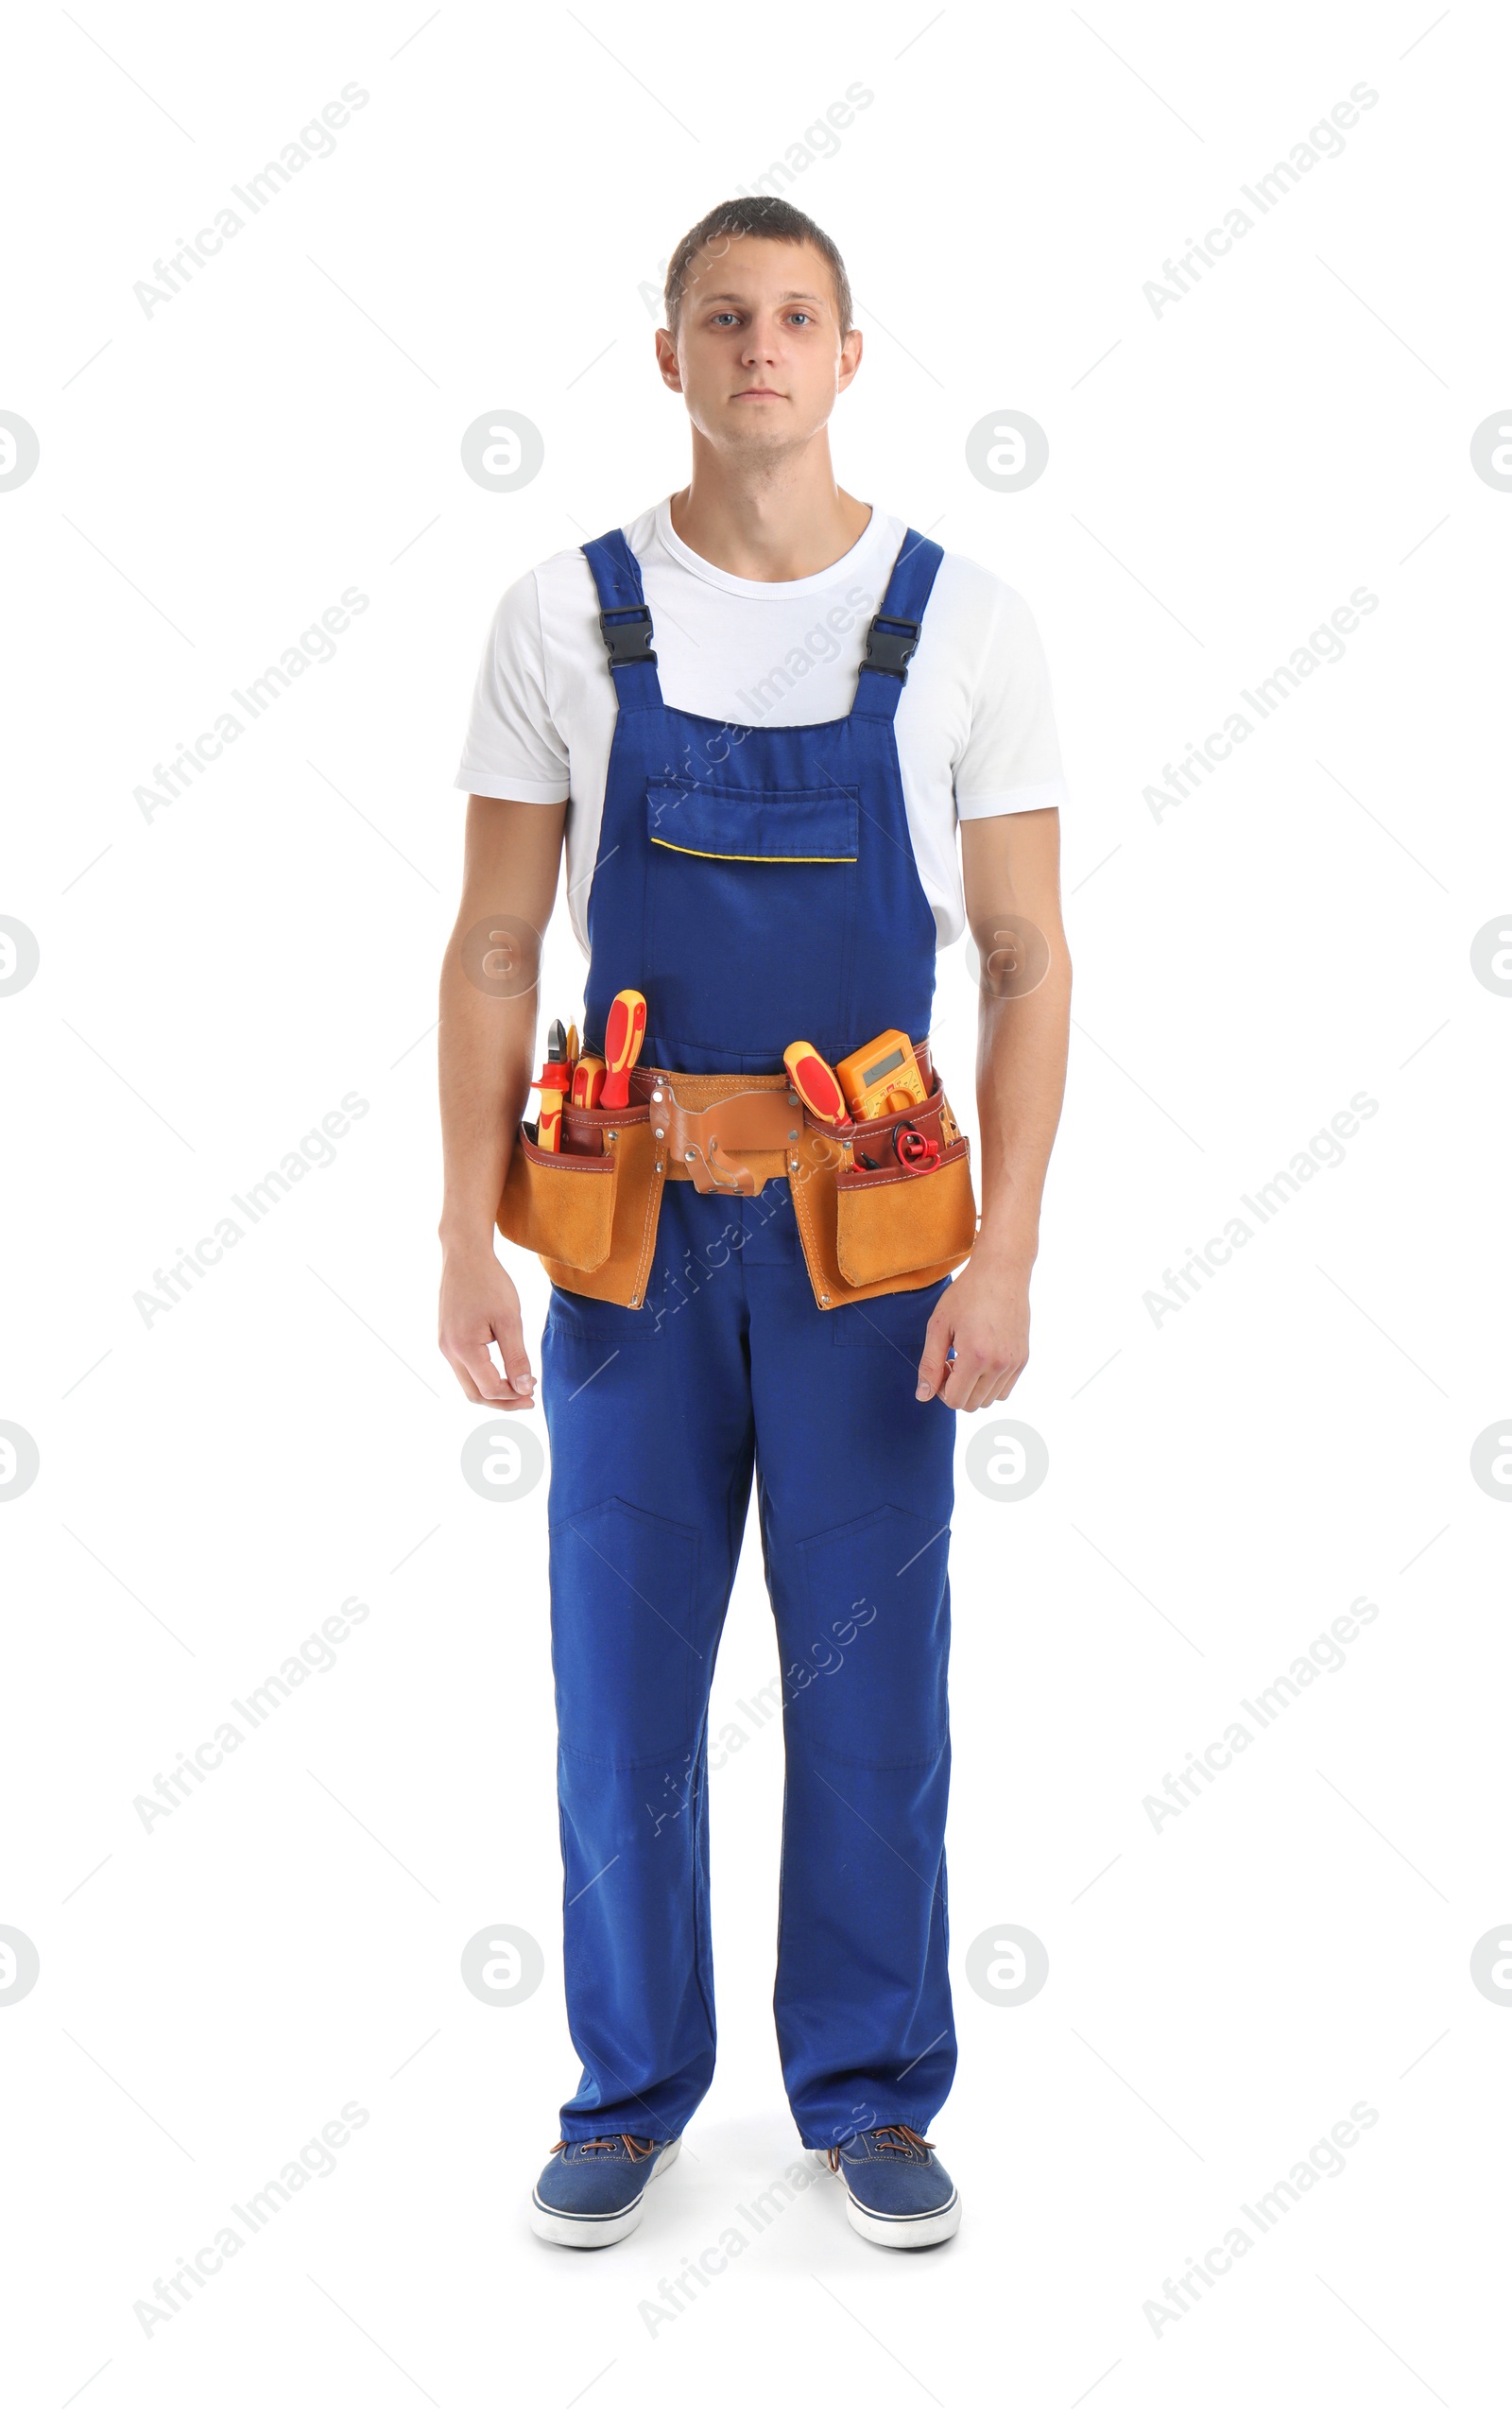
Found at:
<point>590,1209</point>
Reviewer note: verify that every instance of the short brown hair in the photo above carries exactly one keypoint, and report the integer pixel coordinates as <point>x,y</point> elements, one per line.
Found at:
<point>754,213</point>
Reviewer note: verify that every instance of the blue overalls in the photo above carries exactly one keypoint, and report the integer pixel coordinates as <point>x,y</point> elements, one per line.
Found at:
<point>758,886</point>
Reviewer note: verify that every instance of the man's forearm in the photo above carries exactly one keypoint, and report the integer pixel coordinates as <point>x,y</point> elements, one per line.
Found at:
<point>1011,868</point>
<point>1020,1082</point>
<point>484,1049</point>
<point>513,854</point>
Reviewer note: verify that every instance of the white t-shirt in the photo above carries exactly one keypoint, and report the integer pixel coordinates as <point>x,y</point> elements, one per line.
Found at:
<point>975,728</point>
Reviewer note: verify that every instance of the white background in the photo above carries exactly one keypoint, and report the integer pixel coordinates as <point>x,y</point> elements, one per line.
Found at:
<point>1221,1486</point>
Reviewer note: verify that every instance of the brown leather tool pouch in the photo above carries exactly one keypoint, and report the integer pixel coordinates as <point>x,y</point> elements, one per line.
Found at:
<point>590,1209</point>
<point>888,1229</point>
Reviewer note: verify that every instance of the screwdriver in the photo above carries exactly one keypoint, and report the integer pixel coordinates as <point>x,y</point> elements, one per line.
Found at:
<point>817,1084</point>
<point>623,1032</point>
<point>588,1082</point>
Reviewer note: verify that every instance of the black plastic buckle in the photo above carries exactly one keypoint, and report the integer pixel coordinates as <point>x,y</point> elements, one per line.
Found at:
<point>627,641</point>
<point>889,650</point>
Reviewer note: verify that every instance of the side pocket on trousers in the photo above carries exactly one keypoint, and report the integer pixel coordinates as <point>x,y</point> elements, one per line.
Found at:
<point>624,1592</point>
<point>864,1675</point>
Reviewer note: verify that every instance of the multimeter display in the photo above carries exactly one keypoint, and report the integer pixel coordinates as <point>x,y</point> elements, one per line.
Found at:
<point>874,1073</point>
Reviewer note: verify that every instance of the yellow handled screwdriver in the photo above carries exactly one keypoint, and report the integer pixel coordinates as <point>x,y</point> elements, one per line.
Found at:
<point>623,1032</point>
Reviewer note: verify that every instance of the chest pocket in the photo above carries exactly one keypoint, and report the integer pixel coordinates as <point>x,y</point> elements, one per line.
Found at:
<point>753,828</point>
<point>751,915</point>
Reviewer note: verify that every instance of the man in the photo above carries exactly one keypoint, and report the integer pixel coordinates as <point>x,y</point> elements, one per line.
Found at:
<point>759,714</point>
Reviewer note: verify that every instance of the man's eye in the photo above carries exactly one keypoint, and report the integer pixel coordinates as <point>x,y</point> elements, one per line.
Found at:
<point>801,314</point>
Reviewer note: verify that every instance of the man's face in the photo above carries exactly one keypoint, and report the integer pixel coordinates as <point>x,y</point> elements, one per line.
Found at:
<point>759,356</point>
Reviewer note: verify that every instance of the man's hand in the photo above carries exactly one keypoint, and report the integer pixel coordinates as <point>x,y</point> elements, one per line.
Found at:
<point>986,1315</point>
<point>479,1301</point>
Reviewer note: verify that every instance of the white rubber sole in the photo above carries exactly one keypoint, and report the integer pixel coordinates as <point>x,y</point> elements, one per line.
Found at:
<point>896,2234</point>
<point>905,2234</point>
<point>592,2234</point>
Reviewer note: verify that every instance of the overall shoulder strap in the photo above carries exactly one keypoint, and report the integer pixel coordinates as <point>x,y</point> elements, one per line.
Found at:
<point>625,620</point>
<point>894,632</point>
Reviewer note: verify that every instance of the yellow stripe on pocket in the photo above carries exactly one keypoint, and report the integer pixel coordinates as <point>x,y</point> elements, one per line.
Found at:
<point>738,856</point>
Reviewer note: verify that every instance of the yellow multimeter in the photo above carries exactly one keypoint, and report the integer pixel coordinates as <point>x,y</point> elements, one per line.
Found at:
<point>883,1078</point>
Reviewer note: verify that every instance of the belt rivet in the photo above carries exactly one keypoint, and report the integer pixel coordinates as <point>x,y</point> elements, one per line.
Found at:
<point>690,1154</point>
<point>661,1133</point>
<point>824,1301</point>
<point>611,1135</point>
<point>793,1134</point>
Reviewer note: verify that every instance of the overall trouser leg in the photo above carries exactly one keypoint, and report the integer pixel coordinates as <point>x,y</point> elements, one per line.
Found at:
<point>856,1482</point>
<point>651,1444</point>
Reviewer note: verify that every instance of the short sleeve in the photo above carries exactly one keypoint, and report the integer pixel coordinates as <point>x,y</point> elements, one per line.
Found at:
<point>1011,761</point>
<point>513,747</point>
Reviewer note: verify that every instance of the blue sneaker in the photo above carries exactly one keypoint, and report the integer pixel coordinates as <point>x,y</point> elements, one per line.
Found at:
<point>897,2192</point>
<point>591,2194</point>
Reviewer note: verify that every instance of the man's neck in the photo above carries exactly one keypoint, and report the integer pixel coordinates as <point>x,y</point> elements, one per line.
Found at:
<point>782,520</point>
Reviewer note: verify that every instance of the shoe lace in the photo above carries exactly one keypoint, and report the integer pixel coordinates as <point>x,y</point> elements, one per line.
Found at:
<point>635,2149</point>
<point>896,2138</point>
